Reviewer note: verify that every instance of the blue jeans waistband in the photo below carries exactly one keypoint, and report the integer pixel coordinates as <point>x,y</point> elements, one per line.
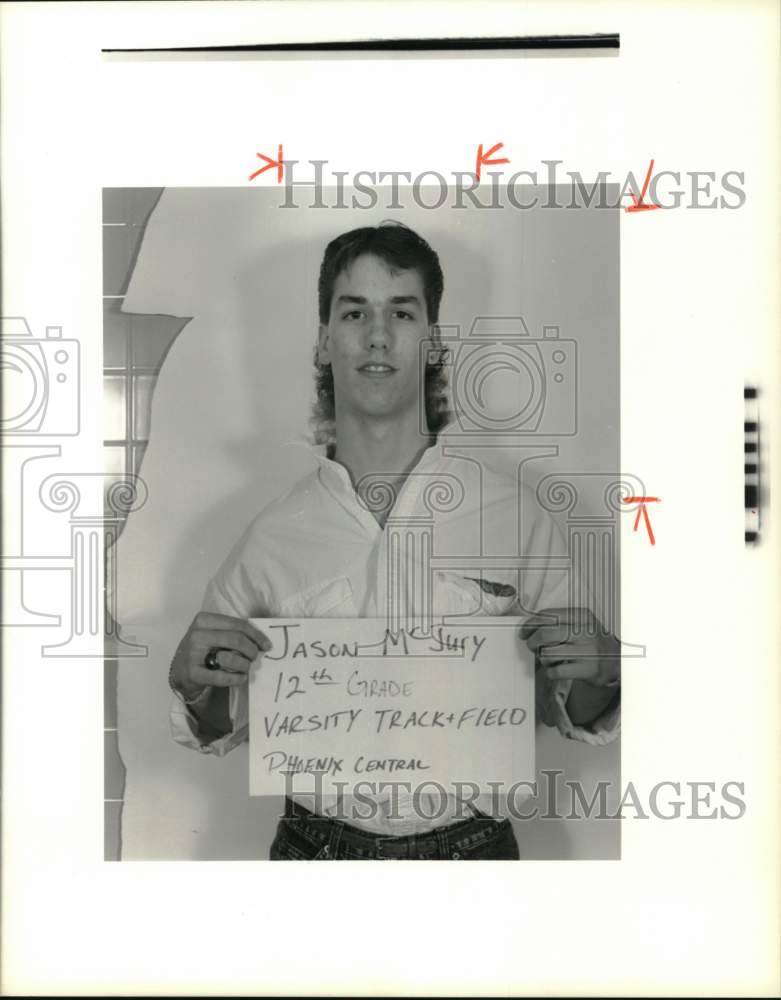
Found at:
<point>330,837</point>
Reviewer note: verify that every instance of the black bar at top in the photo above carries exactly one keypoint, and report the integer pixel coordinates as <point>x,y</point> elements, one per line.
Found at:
<point>609,41</point>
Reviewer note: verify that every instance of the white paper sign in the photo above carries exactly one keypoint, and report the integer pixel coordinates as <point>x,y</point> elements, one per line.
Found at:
<point>353,701</point>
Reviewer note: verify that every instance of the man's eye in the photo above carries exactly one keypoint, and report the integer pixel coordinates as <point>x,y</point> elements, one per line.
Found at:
<point>353,314</point>
<point>403,314</point>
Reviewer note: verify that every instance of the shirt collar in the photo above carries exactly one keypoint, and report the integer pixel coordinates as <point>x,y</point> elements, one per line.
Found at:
<point>335,475</point>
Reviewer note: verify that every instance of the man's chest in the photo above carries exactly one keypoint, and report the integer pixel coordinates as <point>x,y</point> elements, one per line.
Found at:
<point>403,564</point>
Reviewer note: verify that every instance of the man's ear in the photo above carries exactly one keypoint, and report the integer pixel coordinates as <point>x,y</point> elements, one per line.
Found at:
<point>323,357</point>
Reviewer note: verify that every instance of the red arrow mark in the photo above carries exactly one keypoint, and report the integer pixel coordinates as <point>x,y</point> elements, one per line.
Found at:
<point>639,205</point>
<point>642,510</point>
<point>483,158</point>
<point>278,163</point>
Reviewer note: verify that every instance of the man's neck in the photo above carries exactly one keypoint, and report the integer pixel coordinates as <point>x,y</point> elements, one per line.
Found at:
<point>372,448</point>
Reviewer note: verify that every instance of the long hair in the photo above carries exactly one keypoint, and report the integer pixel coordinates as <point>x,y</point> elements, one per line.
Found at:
<point>401,249</point>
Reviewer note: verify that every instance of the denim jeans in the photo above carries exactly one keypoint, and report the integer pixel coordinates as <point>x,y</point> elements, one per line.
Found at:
<point>303,836</point>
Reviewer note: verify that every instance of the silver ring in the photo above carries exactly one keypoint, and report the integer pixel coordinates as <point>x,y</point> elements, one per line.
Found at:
<point>211,662</point>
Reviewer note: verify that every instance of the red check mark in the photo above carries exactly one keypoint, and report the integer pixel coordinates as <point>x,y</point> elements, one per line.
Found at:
<point>279,163</point>
<point>642,510</point>
<point>483,158</point>
<point>638,204</point>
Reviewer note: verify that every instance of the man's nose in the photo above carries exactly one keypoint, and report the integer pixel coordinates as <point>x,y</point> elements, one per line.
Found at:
<point>379,334</point>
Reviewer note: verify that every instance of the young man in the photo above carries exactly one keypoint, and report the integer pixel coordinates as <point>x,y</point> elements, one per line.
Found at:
<point>321,551</point>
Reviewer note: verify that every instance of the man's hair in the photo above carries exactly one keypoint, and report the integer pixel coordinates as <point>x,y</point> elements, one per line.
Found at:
<point>402,250</point>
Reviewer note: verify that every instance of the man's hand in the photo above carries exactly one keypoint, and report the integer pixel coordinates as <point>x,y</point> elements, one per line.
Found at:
<point>239,645</point>
<point>578,647</point>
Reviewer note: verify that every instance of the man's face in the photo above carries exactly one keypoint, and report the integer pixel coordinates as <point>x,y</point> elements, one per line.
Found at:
<point>373,338</point>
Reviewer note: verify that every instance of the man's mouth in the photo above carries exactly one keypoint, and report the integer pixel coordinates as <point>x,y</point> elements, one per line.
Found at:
<point>376,368</point>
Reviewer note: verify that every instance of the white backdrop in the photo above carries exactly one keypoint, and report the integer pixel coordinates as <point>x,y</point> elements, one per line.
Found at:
<point>692,908</point>
<point>229,422</point>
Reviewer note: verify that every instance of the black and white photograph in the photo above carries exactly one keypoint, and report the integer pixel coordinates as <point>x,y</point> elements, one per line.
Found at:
<point>411,418</point>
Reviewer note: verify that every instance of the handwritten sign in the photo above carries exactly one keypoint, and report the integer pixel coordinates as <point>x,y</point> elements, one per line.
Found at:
<point>353,701</point>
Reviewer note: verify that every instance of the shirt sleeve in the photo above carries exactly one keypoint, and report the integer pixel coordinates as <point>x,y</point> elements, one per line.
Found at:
<point>230,592</point>
<point>186,728</point>
<point>551,698</point>
<point>551,588</point>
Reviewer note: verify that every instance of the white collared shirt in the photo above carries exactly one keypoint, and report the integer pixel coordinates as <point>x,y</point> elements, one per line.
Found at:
<point>319,552</point>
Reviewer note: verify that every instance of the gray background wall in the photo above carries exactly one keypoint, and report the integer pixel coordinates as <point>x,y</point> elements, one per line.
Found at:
<point>134,348</point>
